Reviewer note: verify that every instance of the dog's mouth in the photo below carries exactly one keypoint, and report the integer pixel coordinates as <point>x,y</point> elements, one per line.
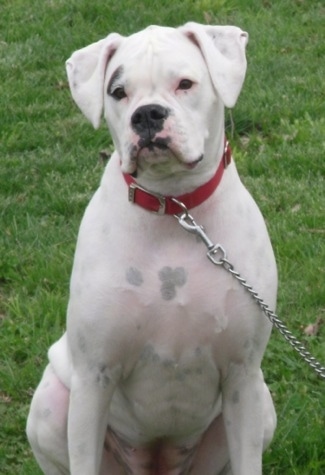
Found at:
<point>151,152</point>
<point>160,150</point>
<point>194,163</point>
<point>159,144</point>
<point>157,152</point>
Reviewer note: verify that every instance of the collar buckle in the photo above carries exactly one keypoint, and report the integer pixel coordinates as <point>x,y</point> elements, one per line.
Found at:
<point>161,200</point>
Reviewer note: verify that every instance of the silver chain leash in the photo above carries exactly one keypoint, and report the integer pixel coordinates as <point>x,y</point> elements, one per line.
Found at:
<point>217,255</point>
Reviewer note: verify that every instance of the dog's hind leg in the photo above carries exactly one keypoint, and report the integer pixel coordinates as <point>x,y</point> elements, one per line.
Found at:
<point>47,424</point>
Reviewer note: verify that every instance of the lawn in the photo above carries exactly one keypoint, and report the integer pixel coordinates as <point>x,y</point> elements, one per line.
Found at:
<point>50,165</point>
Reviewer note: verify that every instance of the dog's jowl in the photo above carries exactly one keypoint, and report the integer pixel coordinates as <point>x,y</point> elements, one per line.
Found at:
<point>158,372</point>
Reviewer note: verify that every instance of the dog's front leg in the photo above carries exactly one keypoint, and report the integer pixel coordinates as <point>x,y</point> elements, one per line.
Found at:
<point>243,408</point>
<point>87,421</point>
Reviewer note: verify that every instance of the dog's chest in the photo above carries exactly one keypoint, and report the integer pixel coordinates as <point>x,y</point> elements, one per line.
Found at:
<point>172,292</point>
<point>157,287</point>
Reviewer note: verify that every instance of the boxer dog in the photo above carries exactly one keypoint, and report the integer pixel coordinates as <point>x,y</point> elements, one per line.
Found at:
<point>159,372</point>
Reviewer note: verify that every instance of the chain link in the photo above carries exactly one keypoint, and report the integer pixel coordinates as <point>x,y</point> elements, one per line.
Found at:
<point>217,255</point>
<point>277,323</point>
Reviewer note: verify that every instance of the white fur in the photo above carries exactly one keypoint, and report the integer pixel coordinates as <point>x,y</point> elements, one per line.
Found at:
<point>161,346</point>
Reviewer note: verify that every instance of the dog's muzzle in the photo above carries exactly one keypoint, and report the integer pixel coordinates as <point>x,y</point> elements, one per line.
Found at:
<point>148,120</point>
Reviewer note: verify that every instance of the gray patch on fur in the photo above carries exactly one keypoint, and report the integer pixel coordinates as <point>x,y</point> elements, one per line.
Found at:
<point>148,354</point>
<point>134,276</point>
<point>171,278</point>
<point>46,413</point>
<point>102,378</point>
<point>82,345</point>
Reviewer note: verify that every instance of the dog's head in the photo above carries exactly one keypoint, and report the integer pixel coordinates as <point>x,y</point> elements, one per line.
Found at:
<point>162,91</point>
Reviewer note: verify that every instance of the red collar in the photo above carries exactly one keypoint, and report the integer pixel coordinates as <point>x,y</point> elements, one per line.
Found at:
<point>160,204</point>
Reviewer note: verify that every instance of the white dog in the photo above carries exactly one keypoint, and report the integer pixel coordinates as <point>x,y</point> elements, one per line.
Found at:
<point>159,370</point>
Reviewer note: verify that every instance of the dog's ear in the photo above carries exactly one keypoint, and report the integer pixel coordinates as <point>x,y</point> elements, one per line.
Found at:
<point>86,74</point>
<point>223,48</point>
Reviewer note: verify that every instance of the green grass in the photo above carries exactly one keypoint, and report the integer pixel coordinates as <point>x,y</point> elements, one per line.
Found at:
<point>50,166</point>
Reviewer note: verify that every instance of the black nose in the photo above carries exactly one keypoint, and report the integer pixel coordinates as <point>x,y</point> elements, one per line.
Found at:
<point>147,120</point>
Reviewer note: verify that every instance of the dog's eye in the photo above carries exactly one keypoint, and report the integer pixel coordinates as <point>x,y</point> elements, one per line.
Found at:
<point>185,84</point>
<point>118,93</point>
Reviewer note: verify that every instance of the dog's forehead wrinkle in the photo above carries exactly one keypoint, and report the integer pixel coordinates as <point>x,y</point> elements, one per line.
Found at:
<point>157,35</point>
<point>145,52</point>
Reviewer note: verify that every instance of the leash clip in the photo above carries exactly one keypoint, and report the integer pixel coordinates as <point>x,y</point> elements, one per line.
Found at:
<point>188,223</point>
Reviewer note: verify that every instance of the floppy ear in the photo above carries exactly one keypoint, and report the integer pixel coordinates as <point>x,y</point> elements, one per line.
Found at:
<point>223,48</point>
<point>86,74</point>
